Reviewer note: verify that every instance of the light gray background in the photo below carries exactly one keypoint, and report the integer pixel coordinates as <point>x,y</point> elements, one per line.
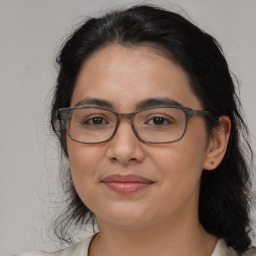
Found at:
<point>31,32</point>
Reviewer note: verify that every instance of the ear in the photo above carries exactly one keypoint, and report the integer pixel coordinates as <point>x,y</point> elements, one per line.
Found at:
<point>218,144</point>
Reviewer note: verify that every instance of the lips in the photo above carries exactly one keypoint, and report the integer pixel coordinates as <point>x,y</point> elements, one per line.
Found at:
<point>126,184</point>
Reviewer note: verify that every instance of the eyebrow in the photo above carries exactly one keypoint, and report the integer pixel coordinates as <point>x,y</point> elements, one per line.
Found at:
<point>150,102</point>
<point>95,101</point>
<point>158,102</point>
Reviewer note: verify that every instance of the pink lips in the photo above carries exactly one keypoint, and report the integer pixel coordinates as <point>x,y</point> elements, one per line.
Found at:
<point>126,184</point>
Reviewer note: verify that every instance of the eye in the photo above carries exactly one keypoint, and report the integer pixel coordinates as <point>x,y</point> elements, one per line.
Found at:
<point>95,120</point>
<point>159,120</point>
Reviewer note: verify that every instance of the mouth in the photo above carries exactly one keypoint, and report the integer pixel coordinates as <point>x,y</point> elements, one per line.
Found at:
<point>126,184</point>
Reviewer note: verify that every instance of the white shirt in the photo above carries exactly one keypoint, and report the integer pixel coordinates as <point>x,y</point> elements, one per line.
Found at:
<point>81,249</point>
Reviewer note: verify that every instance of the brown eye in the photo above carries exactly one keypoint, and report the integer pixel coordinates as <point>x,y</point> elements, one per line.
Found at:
<point>96,120</point>
<point>159,121</point>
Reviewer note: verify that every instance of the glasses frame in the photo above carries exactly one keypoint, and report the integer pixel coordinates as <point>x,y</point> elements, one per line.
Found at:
<point>189,113</point>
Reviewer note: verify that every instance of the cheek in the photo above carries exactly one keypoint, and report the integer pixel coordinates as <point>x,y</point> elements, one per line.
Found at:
<point>83,157</point>
<point>84,160</point>
<point>180,165</point>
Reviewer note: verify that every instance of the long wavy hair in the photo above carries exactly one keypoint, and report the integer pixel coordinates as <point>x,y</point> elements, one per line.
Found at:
<point>224,193</point>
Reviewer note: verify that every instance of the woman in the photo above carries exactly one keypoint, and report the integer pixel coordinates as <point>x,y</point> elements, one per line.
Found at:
<point>147,115</point>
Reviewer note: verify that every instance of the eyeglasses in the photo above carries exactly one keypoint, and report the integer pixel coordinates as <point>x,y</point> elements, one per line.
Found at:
<point>156,125</point>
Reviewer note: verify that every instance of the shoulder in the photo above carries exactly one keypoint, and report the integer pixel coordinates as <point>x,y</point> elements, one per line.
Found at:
<point>77,249</point>
<point>250,252</point>
<point>222,249</point>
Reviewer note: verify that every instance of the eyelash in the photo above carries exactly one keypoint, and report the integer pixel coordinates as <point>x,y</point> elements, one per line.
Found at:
<point>87,120</point>
<point>162,118</point>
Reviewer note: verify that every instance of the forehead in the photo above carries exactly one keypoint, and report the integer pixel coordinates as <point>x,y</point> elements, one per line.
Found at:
<point>128,75</point>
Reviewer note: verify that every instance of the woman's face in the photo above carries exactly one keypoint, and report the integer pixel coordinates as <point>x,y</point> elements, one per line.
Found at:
<point>162,180</point>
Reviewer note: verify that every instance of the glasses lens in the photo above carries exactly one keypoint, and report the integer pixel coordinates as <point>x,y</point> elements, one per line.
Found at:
<point>160,125</point>
<point>90,125</point>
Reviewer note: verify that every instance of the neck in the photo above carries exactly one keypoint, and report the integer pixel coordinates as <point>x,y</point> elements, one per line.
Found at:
<point>165,239</point>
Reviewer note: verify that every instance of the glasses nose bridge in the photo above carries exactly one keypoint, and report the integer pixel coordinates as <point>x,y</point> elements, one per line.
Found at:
<point>128,116</point>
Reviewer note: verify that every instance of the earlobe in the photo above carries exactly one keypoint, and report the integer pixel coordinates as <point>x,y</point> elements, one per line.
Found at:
<point>218,144</point>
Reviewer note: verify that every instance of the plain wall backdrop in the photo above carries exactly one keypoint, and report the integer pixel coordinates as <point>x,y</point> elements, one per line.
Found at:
<point>31,32</point>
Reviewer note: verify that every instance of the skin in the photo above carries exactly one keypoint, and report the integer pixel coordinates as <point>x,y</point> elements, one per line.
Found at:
<point>161,219</point>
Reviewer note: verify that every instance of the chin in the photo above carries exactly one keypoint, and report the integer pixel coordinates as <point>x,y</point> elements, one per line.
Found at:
<point>125,217</point>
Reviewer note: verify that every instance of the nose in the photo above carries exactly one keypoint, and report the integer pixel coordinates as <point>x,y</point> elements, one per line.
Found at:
<point>125,147</point>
